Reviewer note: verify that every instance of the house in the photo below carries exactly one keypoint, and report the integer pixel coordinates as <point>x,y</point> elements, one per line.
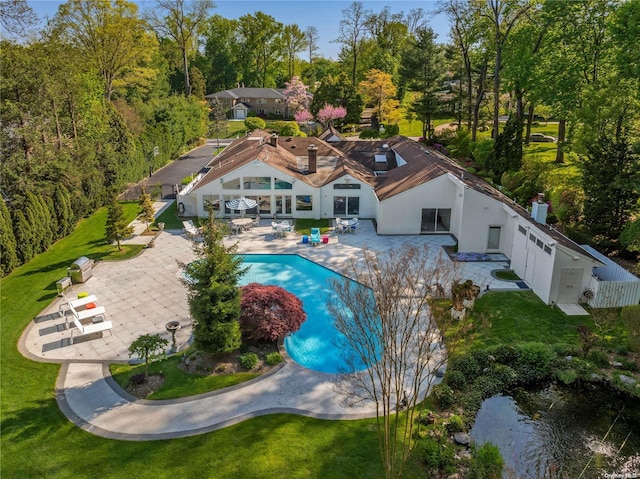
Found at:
<point>260,101</point>
<point>406,188</point>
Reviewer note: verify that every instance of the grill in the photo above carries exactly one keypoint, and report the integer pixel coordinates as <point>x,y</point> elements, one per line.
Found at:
<point>81,270</point>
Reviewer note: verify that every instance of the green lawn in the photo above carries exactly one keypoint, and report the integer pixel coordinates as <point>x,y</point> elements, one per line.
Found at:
<point>515,317</point>
<point>176,383</point>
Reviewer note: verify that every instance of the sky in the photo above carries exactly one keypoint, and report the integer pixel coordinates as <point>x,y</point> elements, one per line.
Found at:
<point>325,15</point>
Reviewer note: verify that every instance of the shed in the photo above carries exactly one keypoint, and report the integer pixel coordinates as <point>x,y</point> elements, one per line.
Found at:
<point>612,285</point>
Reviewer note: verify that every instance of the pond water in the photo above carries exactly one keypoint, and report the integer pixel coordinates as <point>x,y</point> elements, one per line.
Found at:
<point>562,433</point>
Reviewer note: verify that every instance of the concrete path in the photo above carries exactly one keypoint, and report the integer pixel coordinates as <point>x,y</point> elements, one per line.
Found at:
<point>142,294</point>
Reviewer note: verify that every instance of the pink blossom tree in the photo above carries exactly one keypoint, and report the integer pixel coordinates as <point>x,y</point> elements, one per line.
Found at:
<point>329,113</point>
<point>295,95</point>
<point>303,116</point>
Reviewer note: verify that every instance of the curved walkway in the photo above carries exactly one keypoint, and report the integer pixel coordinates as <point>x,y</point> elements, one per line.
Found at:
<point>142,294</point>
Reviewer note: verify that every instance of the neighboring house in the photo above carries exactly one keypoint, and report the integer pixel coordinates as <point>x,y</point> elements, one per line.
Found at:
<point>406,188</point>
<point>261,101</point>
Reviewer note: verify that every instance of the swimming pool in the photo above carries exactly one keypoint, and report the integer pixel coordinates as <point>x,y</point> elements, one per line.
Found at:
<point>316,344</point>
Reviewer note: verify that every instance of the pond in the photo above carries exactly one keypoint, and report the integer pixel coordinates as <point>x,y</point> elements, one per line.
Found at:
<point>562,433</point>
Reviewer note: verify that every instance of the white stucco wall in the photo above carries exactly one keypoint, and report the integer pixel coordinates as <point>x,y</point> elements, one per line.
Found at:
<point>479,212</point>
<point>402,213</point>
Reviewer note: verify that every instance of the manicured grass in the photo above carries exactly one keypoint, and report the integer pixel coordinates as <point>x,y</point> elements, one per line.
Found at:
<point>515,317</point>
<point>235,129</point>
<point>507,275</point>
<point>176,383</point>
<point>303,226</point>
<point>170,218</point>
<point>39,441</point>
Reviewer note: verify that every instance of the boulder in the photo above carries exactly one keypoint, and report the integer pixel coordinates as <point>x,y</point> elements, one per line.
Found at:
<point>616,364</point>
<point>462,438</point>
<point>627,380</point>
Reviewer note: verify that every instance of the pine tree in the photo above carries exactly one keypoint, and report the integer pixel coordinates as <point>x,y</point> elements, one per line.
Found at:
<point>117,227</point>
<point>63,210</point>
<point>148,213</point>
<point>8,254</point>
<point>214,296</point>
<point>24,236</point>
<point>34,215</point>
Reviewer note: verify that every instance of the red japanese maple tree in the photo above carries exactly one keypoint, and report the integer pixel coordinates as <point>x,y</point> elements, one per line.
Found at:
<point>269,312</point>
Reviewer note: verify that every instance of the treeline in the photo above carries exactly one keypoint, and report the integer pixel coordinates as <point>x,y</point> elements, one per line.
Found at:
<point>73,134</point>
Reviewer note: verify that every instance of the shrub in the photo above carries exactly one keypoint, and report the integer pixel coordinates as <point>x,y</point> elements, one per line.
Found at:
<point>274,358</point>
<point>468,366</point>
<point>369,133</point>
<point>506,354</point>
<point>471,401</point>
<point>504,375</point>
<point>426,417</point>
<point>487,386</point>
<point>248,360</point>
<point>455,424</point>
<point>487,463</point>
<point>587,338</point>
<point>599,358</point>
<point>254,123</point>
<point>436,455</point>
<point>456,380</point>
<point>391,130</point>
<point>628,364</point>
<point>534,364</point>
<point>269,312</point>
<point>443,395</point>
<point>186,180</point>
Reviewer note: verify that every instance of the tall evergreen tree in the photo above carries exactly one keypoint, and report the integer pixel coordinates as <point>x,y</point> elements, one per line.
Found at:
<point>611,182</point>
<point>24,236</point>
<point>63,210</point>
<point>214,295</point>
<point>117,227</point>
<point>8,253</point>
<point>146,205</point>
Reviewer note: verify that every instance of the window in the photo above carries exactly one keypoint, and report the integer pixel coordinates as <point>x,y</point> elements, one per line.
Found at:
<point>436,220</point>
<point>346,205</point>
<point>262,101</point>
<point>532,238</point>
<point>264,205</point>
<point>547,249</point>
<point>539,243</point>
<point>347,186</point>
<point>278,100</point>
<point>304,203</point>
<point>231,184</point>
<point>522,229</point>
<point>493,242</point>
<point>279,184</point>
<point>211,201</point>
<point>257,183</point>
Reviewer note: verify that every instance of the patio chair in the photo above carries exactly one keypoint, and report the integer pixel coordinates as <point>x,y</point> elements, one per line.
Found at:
<point>256,221</point>
<point>341,226</point>
<point>354,225</point>
<point>191,230</point>
<point>315,236</point>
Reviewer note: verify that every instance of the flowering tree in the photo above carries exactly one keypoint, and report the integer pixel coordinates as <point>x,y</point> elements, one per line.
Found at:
<point>269,312</point>
<point>329,113</point>
<point>303,116</point>
<point>295,95</point>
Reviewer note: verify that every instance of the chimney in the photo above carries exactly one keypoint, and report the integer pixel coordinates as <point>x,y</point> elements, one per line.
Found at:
<point>539,209</point>
<point>312,151</point>
<point>274,140</point>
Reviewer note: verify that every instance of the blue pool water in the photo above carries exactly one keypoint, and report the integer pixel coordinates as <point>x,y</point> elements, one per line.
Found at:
<point>316,344</point>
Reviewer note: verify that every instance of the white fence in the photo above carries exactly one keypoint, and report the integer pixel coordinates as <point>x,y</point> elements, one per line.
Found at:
<point>612,285</point>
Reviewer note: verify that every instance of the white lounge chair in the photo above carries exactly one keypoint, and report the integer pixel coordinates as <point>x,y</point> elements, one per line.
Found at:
<point>93,314</point>
<point>191,230</point>
<point>84,329</point>
<point>77,304</point>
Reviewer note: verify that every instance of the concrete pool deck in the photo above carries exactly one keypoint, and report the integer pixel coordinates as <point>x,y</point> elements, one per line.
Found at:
<point>144,293</point>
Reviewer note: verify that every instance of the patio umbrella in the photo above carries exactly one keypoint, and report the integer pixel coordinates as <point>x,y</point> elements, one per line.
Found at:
<point>241,204</point>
